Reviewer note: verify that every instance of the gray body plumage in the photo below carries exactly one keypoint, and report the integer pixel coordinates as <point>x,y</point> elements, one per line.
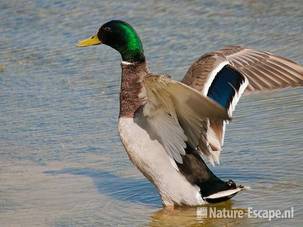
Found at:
<point>149,156</point>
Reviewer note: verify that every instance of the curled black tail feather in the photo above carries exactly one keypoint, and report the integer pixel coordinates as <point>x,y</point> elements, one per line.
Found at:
<point>197,173</point>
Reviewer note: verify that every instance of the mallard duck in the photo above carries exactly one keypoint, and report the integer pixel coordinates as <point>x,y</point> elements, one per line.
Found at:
<point>167,126</point>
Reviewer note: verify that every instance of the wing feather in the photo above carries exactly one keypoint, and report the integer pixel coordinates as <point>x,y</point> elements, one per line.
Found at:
<point>263,70</point>
<point>176,111</point>
<point>259,66</point>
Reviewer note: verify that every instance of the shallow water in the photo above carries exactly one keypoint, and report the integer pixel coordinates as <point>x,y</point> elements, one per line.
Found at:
<point>62,163</point>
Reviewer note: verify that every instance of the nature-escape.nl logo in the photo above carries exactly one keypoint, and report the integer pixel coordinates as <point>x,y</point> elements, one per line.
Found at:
<point>250,212</point>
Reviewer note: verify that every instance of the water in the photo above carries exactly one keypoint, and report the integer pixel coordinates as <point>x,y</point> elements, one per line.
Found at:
<point>62,163</point>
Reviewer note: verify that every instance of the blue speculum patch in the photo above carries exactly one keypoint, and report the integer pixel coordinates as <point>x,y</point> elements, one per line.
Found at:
<point>225,85</point>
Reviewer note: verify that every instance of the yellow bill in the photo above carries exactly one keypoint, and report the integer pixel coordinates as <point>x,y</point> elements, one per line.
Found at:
<point>93,40</point>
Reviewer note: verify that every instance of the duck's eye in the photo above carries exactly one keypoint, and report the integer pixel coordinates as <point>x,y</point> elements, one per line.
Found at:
<point>107,29</point>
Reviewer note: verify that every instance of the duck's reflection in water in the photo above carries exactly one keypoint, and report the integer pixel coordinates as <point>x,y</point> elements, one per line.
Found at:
<point>221,214</point>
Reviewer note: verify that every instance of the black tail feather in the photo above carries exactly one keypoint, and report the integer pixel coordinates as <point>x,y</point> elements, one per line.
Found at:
<point>197,173</point>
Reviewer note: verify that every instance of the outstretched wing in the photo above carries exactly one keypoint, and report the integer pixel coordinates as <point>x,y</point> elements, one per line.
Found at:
<point>264,70</point>
<point>176,112</point>
<point>225,74</point>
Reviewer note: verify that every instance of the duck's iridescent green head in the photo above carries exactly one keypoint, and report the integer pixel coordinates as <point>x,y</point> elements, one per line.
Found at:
<point>120,36</point>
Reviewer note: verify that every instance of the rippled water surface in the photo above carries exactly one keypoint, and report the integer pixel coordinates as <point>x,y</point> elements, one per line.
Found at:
<point>61,160</point>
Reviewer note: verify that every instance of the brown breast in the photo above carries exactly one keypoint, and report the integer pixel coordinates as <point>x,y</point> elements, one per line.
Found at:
<point>131,87</point>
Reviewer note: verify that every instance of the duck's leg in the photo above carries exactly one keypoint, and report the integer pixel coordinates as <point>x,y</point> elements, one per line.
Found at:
<point>169,208</point>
